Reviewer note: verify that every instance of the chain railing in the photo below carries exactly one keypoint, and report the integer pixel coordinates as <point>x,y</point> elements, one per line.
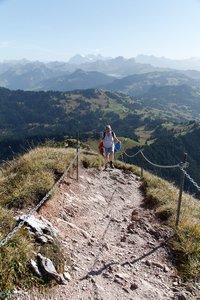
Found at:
<point>190,179</point>
<point>159,166</point>
<point>44,199</point>
<point>131,156</point>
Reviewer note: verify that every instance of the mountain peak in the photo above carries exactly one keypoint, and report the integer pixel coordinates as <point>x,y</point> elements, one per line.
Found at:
<point>81,59</point>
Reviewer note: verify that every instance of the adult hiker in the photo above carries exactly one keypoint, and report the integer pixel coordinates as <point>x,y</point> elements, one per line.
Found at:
<point>109,139</point>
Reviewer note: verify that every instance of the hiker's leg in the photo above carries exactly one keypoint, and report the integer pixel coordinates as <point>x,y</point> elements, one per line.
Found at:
<point>111,161</point>
<point>111,157</point>
<point>112,149</point>
<point>106,156</point>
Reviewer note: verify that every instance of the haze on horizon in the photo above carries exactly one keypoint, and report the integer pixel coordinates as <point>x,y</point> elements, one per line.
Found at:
<point>51,30</point>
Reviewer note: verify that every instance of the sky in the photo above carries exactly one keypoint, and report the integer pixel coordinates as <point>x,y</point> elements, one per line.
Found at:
<point>55,30</point>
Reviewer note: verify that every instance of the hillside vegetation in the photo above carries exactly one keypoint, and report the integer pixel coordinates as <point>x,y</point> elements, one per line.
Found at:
<point>185,244</point>
<point>165,130</point>
<point>35,115</point>
<point>23,183</point>
<point>167,147</point>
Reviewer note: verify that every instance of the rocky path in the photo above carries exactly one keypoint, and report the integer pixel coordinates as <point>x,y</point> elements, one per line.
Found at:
<point>115,246</point>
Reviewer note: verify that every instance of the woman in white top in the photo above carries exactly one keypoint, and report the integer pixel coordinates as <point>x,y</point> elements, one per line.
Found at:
<point>109,139</point>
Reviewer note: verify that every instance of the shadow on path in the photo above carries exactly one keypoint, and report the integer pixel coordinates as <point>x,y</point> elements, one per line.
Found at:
<point>130,263</point>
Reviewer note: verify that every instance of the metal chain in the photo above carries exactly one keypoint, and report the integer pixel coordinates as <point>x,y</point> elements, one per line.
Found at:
<point>180,165</point>
<point>133,154</point>
<point>190,179</point>
<point>153,164</point>
<point>159,166</point>
<point>34,209</point>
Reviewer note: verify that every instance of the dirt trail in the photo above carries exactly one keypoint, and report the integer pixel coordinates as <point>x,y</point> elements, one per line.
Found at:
<point>115,246</point>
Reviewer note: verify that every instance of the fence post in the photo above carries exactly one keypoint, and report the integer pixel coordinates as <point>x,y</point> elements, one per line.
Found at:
<point>77,160</point>
<point>182,177</point>
<point>142,169</point>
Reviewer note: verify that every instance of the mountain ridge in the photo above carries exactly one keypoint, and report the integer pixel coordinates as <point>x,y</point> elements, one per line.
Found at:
<point>61,76</point>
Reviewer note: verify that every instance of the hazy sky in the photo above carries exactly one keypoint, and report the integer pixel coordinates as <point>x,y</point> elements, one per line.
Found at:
<point>58,29</point>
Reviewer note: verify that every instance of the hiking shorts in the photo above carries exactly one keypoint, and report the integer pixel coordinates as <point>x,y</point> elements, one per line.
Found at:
<point>108,151</point>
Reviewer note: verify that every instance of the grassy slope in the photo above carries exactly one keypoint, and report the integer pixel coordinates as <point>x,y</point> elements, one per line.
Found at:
<point>23,182</point>
<point>186,241</point>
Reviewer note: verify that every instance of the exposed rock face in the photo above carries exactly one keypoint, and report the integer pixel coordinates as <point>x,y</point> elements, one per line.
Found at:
<point>39,225</point>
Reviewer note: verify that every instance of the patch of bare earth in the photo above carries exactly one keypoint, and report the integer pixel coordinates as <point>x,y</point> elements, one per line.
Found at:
<point>116,247</point>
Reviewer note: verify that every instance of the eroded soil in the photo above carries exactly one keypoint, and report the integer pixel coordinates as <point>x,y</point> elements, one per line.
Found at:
<point>116,247</point>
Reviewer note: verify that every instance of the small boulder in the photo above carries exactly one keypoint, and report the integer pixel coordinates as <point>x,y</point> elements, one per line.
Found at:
<point>47,267</point>
<point>35,268</point>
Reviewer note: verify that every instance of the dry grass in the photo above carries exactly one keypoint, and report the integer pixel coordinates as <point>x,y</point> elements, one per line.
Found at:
<point>92,161</point>
<point>26,180</point>
<point>15,255</point>
<point>185,244</point>
<point>22,184</point>
<point>127,167</point>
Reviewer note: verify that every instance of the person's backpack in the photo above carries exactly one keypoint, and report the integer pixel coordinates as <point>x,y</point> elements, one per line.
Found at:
<point>101,148</point>
<point>104,134</point>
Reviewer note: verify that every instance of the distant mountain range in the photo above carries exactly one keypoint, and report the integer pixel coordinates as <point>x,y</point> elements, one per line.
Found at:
<point>28,75</point>
<point>81,59</point>
<point>163,62</point>
<point>143,77</point>
<point>79,79</point>
<point>138,84</point>
<point>160,62</point>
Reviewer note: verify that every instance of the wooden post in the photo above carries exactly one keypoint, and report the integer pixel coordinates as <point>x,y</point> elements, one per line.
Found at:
<point>142,169</point>
<point>125,147</point>
<point>182,177</point>
<point>77,160</point>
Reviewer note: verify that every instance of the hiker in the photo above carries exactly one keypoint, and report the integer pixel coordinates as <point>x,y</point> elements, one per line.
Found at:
<point>109,139</point>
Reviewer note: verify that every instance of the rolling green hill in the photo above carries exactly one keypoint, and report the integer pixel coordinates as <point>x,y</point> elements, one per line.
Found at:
<point>25,114</point>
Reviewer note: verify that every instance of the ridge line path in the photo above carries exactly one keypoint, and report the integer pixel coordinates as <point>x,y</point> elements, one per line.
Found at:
<point>115,246</point>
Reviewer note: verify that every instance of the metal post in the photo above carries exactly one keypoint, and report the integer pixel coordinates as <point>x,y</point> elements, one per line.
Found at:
<point>182,177</point>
